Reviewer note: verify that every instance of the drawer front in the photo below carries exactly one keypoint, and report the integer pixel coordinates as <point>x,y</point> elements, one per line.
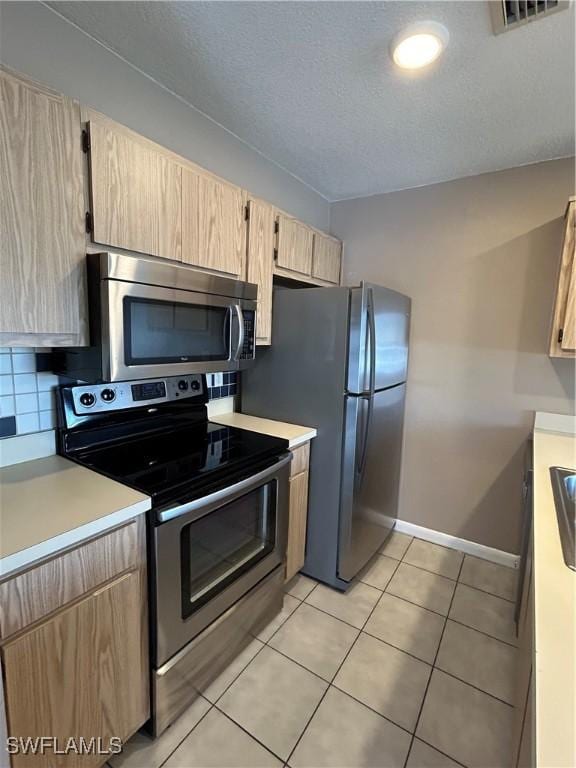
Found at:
<point>300,459</point>
<point>38,592</point>
<point>178,683</point>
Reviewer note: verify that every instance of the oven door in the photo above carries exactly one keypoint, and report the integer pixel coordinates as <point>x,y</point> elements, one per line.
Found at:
<point>149,331</point>
<point>210,552</point>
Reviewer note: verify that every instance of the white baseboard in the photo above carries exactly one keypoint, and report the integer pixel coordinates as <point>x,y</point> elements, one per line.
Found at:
<point>453,542</point>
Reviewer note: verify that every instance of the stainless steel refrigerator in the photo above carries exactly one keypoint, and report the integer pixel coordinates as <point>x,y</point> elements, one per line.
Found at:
<point>338,362</point>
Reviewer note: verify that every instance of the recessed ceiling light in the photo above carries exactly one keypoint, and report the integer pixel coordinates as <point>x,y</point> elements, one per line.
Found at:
<point>419,44</point>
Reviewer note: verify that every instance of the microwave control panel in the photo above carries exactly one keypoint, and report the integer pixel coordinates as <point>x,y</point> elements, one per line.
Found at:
<point>101,398</point>
<point>247,351</point>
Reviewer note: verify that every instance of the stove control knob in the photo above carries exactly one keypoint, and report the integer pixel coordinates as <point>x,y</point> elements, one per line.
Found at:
<point>195,385</point>
<point>107,395</point>
<point>87,399</point>
<point>183,385</point>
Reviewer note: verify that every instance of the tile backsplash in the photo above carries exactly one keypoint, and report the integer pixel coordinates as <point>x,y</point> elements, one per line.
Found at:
<point>27,401</point>
<point>27,390</point>
<point>222,385</point>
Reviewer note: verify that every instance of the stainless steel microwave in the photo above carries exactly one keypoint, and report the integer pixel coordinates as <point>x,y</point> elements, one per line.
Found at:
<point>152,317</point>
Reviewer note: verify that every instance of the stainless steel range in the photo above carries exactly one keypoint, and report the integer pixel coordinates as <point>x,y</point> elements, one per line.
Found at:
<point>217,529</point>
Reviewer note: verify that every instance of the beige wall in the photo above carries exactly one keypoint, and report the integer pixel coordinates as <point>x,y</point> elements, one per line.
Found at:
<point>478,256</point>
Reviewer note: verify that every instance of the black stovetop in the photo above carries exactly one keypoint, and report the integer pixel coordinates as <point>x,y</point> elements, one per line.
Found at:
<point>170,451</point>
<point>174,464</point>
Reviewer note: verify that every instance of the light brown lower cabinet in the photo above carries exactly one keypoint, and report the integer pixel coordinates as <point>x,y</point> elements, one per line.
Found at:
<point>82,672</point>
<point>298,514</point>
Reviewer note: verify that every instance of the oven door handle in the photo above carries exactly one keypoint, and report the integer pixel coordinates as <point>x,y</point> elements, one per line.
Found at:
<point>224,494</point>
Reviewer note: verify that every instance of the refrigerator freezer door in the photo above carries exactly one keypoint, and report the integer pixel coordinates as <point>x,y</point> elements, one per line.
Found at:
<point>382,316</point>
<point>370,476</point>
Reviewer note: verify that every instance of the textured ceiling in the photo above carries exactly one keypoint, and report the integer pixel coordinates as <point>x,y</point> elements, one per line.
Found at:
<point>311,85</point>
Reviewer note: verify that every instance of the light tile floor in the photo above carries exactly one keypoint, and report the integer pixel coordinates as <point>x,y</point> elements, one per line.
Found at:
<point>412,667</point>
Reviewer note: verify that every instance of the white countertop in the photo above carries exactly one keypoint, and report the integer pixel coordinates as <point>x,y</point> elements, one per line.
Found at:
<point>49,504</point>
<point>295,434</point>
<point>554,602</point>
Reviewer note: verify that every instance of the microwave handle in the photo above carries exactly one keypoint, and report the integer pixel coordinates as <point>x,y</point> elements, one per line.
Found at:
<point>239,316</point>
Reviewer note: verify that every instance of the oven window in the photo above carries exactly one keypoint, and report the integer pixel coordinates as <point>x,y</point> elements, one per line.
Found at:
<point>221,546</point>
<point>173,332</point>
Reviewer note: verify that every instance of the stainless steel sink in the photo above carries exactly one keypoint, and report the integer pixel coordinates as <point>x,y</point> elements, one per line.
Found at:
<point>564,487</point>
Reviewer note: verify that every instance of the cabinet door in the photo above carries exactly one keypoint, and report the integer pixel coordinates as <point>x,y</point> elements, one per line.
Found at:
<point>568,343</point>
<point>298,519</point>
<point>42,237</point>
<point>563,334</point>
<point>326,259</point>
<point>294,252</point>
<point>136,192</point>
<point>84,672</point>
<point>260,261</point>
<point>213,223</point>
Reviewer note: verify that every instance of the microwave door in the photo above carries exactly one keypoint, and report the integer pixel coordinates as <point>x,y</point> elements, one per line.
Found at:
<point>154,331</point>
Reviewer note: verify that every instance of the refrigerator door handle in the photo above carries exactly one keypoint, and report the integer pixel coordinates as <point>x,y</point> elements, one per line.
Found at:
<point>372,380</point>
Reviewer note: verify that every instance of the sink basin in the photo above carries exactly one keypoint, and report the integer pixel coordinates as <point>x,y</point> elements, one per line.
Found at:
<point>564,487</point>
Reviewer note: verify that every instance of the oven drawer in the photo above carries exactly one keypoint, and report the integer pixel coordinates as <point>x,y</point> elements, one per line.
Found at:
<point>178,682</point>
<point>45,588</point>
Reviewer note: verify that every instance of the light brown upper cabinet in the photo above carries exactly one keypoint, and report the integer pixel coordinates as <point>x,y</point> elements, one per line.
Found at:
<point>213,224</point>
<point>326,258</point>
<point>294,249</point>
<point>135,191</point>
<point>260,259</point>
<point>41,216</point>
<point>563,335</point>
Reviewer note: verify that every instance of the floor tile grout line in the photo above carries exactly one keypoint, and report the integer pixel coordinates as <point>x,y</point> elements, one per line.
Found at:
<point>432,665</point>
<point>458,578</point>
<point>330,685</point>
<point>298,663</point>
<point>486,634</point>
<point>486,592</point>
<point>246,731</point>
<point>417,723</point>
<point>419,738</point>
<point>239,673</point>
<point>376,712</point>
<point>471,685</point>
<point>188,734</point>
<point>437,613</point>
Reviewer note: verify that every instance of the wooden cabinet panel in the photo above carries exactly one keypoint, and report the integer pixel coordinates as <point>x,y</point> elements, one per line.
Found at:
<point>213,224</point>
<point>563,334</point>
<point>84,673</point>
<point>326,259</point>
<point>298,517</point>
<point>41,216</point>
<point>260,261</point>
<point>300,459</point>
<point>136,192</point>
<point>294,252</point>
<point>36,593</point>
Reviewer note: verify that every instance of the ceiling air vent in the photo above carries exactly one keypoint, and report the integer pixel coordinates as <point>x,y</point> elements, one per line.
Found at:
<point>509,14</point>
